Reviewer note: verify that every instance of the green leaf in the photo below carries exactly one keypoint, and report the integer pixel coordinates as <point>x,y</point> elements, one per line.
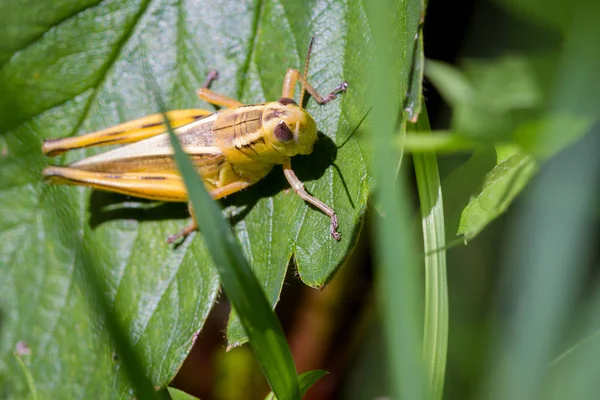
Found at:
<point>548,13</point>
<point>500,186</point>
<point>76,67</point>
<point>550,243</point>
<point>177,394</point>
<point>490,98</point>
<point>499,103</point>
<point>279,223</point>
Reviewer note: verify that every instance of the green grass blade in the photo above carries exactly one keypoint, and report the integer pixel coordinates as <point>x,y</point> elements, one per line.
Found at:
<point>307,379</point>
<point>435,335</point>
<point>397,269</point>
<point>28,378</point>
<point>243,290</point>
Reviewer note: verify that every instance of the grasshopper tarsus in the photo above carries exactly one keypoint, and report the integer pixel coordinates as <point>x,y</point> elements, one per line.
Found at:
<point>333,228</point>
<point>185,232</point>
<point>342,87</point>
<point>172,238</point>
<point>212,76</point>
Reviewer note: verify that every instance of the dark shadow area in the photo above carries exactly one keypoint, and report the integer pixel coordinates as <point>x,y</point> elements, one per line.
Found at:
<point>312,166</point>
<point>108,206</point>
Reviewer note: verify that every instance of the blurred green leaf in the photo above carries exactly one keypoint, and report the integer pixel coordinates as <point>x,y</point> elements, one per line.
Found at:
<point>500,187</point>
<point>490,98</point>
<point>552,238</point>
<point>177,394</point>
<point>499,101</point>
<point>531,134</point>
<point>438,141</point>
<point>551,13</point>
<point>76,67</point>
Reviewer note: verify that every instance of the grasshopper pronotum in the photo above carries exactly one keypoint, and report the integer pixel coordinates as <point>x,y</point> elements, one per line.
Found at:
<point>232,148</point>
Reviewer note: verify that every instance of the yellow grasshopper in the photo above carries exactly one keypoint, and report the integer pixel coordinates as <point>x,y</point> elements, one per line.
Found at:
<point>231,149</point>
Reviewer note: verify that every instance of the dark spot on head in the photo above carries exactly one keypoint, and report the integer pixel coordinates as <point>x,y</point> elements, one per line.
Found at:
<point>283,133</point>
<point>273,114</point>
<point>284,101</point>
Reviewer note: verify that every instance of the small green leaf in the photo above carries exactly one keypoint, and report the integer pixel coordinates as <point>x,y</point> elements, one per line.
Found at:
<point>177,394</point>
<point>501,185</point>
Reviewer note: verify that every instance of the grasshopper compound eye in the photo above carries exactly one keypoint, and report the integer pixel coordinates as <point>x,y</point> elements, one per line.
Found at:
<point>283,133</point>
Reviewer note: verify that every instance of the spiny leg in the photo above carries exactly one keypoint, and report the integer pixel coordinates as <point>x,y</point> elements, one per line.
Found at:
<point>298,187</point>
<point>215,98</point>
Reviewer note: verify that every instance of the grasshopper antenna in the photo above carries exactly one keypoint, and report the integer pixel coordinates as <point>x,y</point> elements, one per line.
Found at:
<point>305,72</point>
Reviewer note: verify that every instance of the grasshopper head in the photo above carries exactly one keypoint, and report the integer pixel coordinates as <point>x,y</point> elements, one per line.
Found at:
<point>289,128</point>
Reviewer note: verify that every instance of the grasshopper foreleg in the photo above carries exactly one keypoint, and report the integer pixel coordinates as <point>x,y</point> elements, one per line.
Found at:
<point>215,98</point>
<point>298,187</point>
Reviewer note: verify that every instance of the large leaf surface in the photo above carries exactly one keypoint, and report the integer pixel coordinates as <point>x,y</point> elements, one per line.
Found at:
<point>76,67</point>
